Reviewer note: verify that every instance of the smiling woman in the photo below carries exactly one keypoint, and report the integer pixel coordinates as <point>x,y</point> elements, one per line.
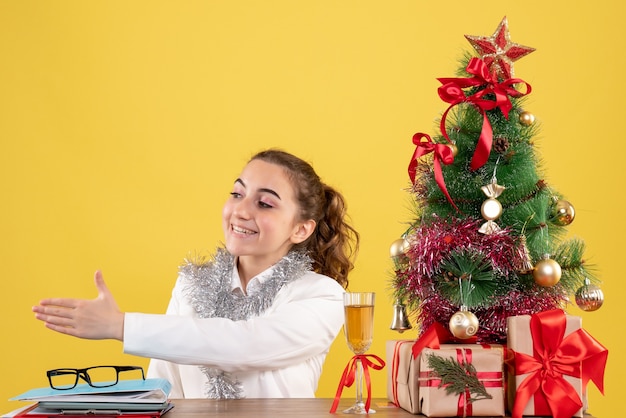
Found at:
<point>276,285</point>
<point>262,219</point>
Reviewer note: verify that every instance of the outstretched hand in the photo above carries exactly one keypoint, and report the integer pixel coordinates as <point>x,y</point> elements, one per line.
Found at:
<point>93,319</point>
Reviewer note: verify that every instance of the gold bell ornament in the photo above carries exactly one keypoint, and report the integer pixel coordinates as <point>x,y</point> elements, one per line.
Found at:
<point>526,260</point>
<point>400,321</point>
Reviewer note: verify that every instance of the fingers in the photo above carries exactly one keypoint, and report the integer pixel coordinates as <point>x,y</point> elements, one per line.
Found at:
<point>103,290</point>
<point>56,312</point>
<point>60,329</point>
<point>61,302</point>
<point>56,319</point>
<point>52,311</point>
<point>104,294</point>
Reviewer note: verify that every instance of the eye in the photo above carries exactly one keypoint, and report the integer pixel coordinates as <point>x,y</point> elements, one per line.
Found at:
<point>265,205</point>
<point>235,195</point>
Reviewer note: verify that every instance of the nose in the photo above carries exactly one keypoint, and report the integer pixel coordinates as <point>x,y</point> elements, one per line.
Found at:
<point>242,208</point>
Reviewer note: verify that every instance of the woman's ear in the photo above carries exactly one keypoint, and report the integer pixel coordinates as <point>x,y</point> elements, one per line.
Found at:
<point>303,230</point>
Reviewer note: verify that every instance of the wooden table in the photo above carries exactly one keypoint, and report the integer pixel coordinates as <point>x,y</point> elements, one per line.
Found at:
<point>274,408</point>
<point>271,408</point>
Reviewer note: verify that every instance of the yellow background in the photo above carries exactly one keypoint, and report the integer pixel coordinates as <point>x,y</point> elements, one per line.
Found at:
<point>124,123</point>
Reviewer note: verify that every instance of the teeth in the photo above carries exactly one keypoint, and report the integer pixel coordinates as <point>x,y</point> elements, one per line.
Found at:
<point>242,231</point>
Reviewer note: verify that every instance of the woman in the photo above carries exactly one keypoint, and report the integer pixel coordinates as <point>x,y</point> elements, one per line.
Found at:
<point>258,319</point>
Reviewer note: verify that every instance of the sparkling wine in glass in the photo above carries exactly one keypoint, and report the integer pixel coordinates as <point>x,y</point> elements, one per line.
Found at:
<point>359,330</point>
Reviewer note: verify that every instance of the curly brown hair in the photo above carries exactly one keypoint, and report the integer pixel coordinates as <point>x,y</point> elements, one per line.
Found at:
<point>334,244</point>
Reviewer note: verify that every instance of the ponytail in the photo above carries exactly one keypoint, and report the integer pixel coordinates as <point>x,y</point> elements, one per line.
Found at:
<point>334,244</point>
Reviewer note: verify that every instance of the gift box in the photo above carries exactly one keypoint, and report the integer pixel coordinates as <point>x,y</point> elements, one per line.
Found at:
<point>403,368</point>
<point>402,375</point>
<point>553,359</point>
<point>462,380</point>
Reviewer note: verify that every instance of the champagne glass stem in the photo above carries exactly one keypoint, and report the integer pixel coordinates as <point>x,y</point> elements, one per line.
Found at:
<point>359,382</point>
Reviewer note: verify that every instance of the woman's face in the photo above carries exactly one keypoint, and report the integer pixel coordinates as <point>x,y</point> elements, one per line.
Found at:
<point>260,219</point>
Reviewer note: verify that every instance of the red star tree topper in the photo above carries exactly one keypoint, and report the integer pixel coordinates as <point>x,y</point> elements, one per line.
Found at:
<point>498,51</point>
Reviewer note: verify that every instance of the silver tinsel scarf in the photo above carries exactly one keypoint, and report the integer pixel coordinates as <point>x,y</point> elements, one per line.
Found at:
<point>208,287</point>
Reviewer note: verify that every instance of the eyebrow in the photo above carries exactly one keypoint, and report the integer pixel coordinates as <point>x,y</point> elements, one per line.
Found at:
<point>262,190</point>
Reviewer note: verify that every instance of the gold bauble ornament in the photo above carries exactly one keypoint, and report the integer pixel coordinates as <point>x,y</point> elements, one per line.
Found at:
<point>547,272</point>
<point>589,297</point>
<point>399,249</point>
<point>562,213</point>
<point>526,118</point>
<point>491,209</point>
<point>463,324</point>
<point>454,149</point>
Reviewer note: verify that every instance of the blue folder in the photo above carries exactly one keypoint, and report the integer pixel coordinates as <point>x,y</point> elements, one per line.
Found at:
<point>128,395</point>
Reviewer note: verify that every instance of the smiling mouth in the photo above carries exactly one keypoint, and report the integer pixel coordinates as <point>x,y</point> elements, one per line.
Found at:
<point>242,230</point>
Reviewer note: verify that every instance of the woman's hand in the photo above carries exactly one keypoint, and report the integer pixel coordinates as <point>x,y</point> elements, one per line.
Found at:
<point>94,319</point>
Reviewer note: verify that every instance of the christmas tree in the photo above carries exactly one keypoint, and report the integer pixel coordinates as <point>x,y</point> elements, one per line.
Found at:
<point>488,237</point>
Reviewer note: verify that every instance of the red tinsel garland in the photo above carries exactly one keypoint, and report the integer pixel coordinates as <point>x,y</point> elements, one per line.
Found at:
<point>430,245</point>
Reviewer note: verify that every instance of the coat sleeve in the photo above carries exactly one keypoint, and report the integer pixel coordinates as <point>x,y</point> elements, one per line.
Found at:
<point>303,322</point>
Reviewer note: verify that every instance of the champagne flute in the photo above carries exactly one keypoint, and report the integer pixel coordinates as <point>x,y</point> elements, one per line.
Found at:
<point>359,330</point>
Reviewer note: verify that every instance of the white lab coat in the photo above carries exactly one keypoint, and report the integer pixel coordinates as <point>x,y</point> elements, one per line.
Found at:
<point>278,354</point>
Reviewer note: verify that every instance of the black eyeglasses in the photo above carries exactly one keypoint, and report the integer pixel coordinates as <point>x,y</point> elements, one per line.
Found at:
<point>97,376</point>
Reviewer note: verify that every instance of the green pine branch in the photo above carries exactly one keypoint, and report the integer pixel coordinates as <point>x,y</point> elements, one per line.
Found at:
<point>457,377</point>
<point>475,274</point>
<point>569,255</point>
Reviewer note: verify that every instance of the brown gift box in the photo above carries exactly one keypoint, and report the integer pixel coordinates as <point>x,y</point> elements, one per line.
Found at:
<point>434,400</point>
<point>519,339</point>
<point>403,373</point>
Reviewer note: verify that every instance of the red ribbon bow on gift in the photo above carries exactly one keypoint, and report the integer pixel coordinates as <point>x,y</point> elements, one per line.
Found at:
<point>494,95</point>
<point>349,374</point>
<point>442,153</point>
<point>434,336</point>
<point>578,355</point>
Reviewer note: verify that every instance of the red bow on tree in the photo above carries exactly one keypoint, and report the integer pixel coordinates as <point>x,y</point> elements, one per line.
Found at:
<point>494,95</point>
<point>442,154</point>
